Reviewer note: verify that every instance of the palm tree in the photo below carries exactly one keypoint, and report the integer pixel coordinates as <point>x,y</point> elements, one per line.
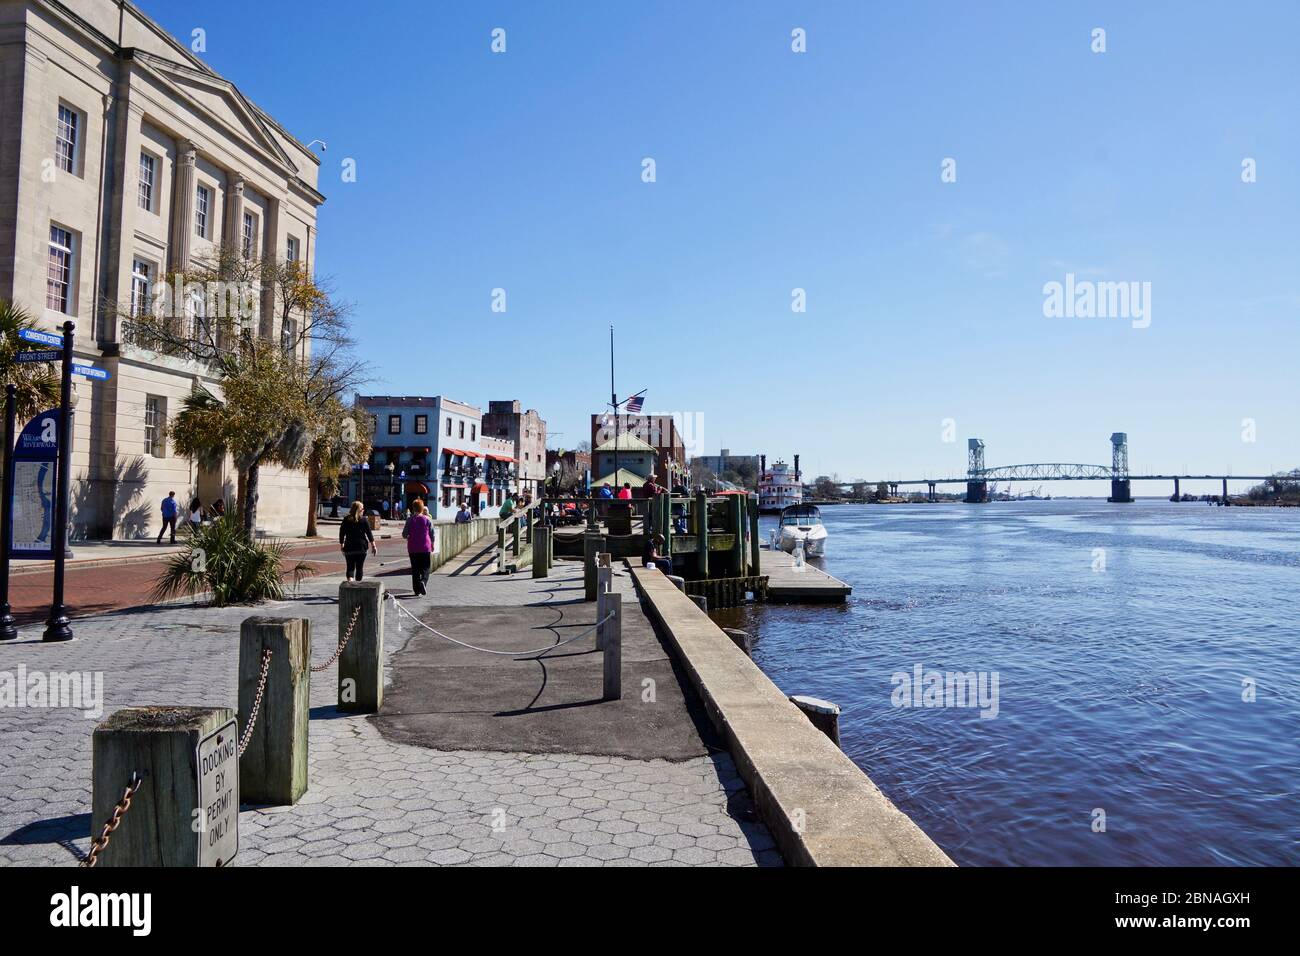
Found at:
<point>37,383</point>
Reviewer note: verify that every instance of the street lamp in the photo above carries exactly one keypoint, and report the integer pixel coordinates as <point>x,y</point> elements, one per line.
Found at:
<point>391,469</point>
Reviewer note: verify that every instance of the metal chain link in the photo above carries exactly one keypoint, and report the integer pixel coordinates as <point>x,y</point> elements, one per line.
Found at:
<point>257,702</point>
<point>98,846</point>
<point>347,636</point>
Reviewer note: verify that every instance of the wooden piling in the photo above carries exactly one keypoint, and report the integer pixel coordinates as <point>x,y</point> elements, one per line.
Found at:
<point>273,766</point>
<point>610,639</point>
<point>361,665</point>
<point>167,822</point>
<point>592,545</point>
<point>541,552</point>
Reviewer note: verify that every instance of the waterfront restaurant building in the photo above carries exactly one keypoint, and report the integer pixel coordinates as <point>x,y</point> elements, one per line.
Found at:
<point>123,157</point>
<point>431,449</point>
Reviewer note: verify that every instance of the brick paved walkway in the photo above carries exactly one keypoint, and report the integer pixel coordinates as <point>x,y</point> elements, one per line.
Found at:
<point>370,801</point>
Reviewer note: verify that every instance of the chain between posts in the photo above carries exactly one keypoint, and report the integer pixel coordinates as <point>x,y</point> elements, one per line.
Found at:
<point>257,702</point>
<point>99,845</point>
<point>347,636</point>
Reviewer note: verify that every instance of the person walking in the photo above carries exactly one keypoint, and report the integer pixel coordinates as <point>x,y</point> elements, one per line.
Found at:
<point>421,539</point>
<point>196,514</point>
<point>355,539</point>
<point>170,507</point>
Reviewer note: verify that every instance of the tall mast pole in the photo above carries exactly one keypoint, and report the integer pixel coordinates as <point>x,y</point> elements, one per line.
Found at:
<point>613,401</point>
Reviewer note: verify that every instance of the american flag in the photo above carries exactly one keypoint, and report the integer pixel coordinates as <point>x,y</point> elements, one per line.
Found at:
<point>634,404</point>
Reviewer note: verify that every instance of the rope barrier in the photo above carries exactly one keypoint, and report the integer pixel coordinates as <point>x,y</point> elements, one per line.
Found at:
<point>488,650</point>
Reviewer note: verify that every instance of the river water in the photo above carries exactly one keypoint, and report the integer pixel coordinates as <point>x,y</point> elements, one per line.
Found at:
<point>1124,639</point>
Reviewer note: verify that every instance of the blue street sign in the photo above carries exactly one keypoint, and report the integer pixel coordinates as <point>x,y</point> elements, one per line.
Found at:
<point>89,371</point>
<point>39,355</point>
<point>35,458</point>
<point>41,338</point>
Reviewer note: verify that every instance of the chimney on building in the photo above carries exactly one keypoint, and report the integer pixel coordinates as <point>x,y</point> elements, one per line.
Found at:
<point>796,467</point>
<point>762,464</point>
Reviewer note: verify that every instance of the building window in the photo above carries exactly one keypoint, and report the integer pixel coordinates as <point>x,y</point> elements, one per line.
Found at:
<point>146,181</point>
<point>394,424</point>
<point>374,424</point>
<point>58,273</point>
<point>446,500</point>
<point>289,335</point>
<point>202,195</point>
<point>155,416</point>
<point>250,235</point>
<point>421,424</point>
<point>65,140</point>
<point>473,429</point>
<point>449,427</point>
<point>462,429</point>
<point>291,250</point>
<point>141,287</point>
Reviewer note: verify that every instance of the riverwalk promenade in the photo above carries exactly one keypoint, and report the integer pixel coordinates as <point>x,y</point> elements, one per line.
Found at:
<point>474,759</point>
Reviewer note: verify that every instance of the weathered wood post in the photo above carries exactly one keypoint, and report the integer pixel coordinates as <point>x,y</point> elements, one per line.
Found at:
<point>740,639</point>
<point>501,550</point>
<point>736,519</point>
<point>592,545</point>
<point>541,551</point>
<point>678,582</point>
<point>604,580</point>
<point>361,665</point>
<point>514,536</point>
<point>702,533</point>
<point>609,637</point>
<point>604,560</point>
<point>755,545</point>
<point>824,715</point>
<point>701,601</point>
<point>273,766</point>
<point>185,811</point>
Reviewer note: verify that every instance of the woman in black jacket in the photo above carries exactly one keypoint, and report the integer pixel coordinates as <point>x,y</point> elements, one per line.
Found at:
<point>355,538</point>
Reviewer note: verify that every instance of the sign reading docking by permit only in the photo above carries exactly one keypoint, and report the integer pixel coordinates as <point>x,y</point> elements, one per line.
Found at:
<point>218,811</point>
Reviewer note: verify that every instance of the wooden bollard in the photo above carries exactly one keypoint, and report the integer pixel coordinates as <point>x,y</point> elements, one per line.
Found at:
<point>609,638</point>
<point>361,665</point>
<point>186,809</point>
<point>541,551</point>
<point>604,580</point>
<point>678,582</point>
<point>740,639</point>
<point>701,602</point>
<point>603,560</point>
<point>824,715</point>
<point>273,767</point>
<point>592,545</point>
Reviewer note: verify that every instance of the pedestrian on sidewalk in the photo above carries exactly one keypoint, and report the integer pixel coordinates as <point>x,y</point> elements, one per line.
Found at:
<point>170,507</point>
<point>196,514</point>
<point>463,516</point>
<point>420,541</point>
<point>355,538</point>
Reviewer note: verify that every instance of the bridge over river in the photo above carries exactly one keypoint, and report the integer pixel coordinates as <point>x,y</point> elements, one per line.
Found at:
<point>978,475</point>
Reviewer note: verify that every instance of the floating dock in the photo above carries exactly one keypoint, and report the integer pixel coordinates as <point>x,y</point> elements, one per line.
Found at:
<point>811,584</point>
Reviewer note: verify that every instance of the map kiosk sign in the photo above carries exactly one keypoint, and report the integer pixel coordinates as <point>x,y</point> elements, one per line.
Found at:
<point>35,464</point>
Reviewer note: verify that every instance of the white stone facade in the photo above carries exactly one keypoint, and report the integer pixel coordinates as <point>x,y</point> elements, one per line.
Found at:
<point>139,107</point>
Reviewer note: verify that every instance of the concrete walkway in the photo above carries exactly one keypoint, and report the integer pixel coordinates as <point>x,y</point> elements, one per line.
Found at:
<point>371,799</point>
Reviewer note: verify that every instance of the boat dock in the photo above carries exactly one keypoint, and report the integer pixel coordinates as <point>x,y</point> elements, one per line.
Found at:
<point>785,584</point>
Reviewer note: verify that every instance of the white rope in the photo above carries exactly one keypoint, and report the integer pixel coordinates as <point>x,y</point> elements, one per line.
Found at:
<point>488,650</point>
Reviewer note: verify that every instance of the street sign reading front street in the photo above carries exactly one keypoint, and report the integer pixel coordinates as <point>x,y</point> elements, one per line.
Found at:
<point>38,355</point>
<point>40,338</point>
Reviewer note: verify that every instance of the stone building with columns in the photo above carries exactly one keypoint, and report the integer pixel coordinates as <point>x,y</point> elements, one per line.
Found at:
<point>125,159</point>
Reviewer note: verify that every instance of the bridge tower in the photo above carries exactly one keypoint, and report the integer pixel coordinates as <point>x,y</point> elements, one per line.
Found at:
<point>977,489</point>
<point>1121,490</point>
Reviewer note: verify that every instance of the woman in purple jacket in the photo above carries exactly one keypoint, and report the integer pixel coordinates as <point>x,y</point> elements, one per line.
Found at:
<point>420,537</point>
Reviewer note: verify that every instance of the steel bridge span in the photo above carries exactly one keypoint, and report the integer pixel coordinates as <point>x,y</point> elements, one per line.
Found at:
<point>978,476</point>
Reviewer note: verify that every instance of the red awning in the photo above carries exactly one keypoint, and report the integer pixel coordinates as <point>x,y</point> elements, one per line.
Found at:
<point>499,458</point>
<point>462,452</point>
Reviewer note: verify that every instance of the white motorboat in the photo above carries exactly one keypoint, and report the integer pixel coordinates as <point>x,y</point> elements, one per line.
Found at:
<point>803,523</point>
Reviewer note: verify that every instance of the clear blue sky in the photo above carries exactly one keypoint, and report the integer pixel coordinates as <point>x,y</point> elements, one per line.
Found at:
<point>819,170</point>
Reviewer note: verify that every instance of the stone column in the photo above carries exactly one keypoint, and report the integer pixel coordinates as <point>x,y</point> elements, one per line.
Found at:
<point>273,250</point>
<point>235,210</point>
<point>182,234</point>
